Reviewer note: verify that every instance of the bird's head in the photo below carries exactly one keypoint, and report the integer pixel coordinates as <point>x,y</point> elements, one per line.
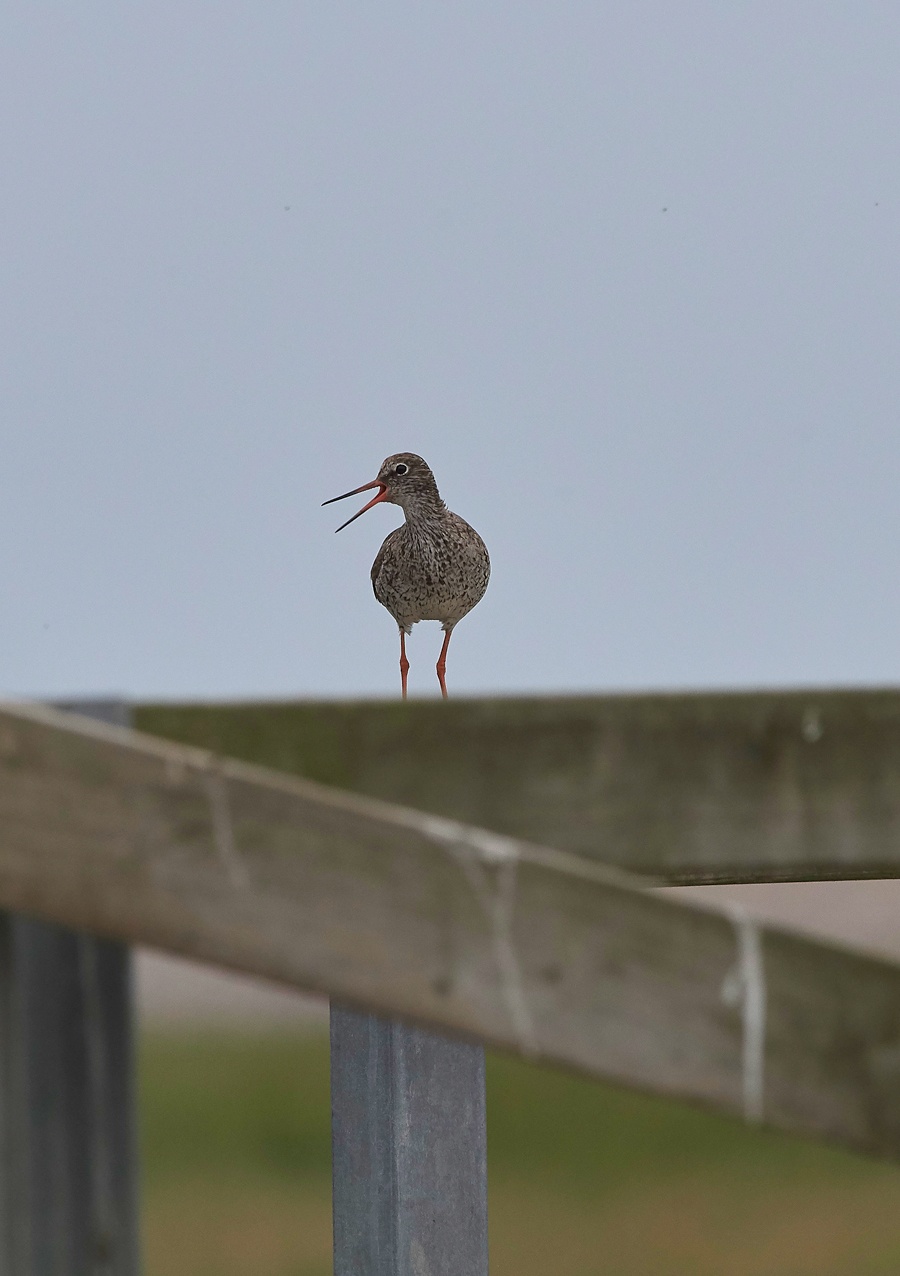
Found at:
<point>402,480</point>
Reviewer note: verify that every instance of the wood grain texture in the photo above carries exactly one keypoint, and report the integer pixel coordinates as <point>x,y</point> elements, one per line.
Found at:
<point>68,1164</point>
<point>68,1199</point>
<point>409,1150</point>
<point>709,787</point>
<point>420,918</point>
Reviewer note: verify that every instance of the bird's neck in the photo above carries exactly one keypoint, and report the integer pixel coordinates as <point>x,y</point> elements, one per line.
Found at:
<point>424,511</point>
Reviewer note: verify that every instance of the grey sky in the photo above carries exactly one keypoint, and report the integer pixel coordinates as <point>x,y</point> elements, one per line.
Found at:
<point>628,276</point>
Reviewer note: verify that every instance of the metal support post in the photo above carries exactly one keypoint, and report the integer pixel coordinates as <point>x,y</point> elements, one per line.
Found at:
<point>409,1151</point>
<point>67,1136</point>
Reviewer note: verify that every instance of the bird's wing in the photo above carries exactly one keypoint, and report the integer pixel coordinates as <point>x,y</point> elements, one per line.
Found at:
<point>380,556</point>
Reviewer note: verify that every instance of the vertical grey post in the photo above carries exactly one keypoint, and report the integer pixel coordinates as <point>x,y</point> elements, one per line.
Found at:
<point>409,1146</point>
<point>68,1164</point>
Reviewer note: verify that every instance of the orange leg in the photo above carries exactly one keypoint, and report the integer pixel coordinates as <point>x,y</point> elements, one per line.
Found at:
<point>404,663</point>
<point>442,664</point>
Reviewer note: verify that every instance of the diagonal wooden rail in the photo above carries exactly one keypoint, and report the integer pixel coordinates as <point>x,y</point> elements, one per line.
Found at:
<point>427,919</point>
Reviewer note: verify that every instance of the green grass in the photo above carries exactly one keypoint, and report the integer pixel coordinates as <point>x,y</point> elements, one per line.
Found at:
<point>216,1103</point>
<point>584,1178</point>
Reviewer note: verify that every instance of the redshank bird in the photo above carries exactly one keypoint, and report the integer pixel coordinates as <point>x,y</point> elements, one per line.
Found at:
<point>432,567</point>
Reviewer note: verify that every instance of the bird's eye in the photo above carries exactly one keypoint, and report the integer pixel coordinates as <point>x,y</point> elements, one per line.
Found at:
<point>401,468</point>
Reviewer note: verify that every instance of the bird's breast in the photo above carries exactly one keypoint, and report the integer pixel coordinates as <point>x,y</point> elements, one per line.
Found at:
<point>436,573</point>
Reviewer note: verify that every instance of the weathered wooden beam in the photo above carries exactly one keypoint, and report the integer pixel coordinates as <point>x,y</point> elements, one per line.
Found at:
<point>708,787</point>
<point>409,1150</point>
<point>68,1198</point>
<point>426,920</point>
<point>68,1095</point>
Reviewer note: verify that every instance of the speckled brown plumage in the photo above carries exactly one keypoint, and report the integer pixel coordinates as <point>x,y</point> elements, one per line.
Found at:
<point>434,566</point>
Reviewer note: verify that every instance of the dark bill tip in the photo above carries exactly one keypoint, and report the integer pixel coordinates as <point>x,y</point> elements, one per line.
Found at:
<point>365,488</point>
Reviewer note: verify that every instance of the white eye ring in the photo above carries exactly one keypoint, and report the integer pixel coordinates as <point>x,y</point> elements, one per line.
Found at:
<point>401,468</point>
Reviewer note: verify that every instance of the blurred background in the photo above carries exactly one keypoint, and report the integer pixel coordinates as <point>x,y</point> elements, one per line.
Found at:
<point>627,276</point>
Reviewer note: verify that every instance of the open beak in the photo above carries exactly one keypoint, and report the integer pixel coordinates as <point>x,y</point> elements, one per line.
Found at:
<point>365,488</point>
